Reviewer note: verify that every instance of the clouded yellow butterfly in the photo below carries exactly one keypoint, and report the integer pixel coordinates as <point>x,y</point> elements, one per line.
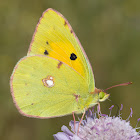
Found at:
<point>55,78</point>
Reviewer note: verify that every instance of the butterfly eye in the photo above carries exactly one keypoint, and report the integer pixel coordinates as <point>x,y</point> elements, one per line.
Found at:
<point>73,56</point>
<point>48,82</point>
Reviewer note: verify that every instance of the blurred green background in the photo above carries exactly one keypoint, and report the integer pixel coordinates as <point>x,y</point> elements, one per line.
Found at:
<point>110,34</point>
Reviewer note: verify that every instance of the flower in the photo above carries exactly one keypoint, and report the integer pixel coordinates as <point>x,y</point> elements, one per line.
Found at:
<point>103,127</point>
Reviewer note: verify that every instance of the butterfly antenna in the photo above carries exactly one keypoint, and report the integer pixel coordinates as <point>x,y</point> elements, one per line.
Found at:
<point>123,84</point>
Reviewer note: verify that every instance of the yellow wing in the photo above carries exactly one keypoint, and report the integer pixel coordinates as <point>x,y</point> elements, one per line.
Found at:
<point>55,38</point>
<point>44,87</point>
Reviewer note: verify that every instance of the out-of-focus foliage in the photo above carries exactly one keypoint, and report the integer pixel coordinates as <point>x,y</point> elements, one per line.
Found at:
<point>110,34</point>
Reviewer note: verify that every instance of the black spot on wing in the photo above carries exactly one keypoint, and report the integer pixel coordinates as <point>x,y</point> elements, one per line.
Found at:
<point>46,52</point>
<point>73,56</point>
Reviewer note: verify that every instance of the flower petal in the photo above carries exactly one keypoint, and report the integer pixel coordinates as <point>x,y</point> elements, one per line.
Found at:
<point>75,137</point>
<point>61,136</point>
<point>71,124</point>
<point>66,130</point>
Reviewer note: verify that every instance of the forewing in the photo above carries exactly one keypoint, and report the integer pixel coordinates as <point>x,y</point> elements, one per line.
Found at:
<point>55,38</point>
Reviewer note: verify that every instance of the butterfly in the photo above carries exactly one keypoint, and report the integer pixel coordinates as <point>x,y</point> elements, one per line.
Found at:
<point>55,78</point>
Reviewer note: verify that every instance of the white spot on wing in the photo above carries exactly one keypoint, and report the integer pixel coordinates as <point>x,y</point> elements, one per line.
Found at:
<point>48,82</point>
<point>51,78</point>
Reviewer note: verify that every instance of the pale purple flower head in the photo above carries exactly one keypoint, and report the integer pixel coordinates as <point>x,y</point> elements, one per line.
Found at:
<point>103,128</point>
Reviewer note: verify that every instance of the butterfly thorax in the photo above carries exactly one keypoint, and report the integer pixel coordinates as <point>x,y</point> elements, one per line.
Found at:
<point>92,99</point>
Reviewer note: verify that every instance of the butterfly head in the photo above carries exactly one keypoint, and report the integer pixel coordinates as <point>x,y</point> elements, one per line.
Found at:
<point>103,96</point>
<point>97,96</point>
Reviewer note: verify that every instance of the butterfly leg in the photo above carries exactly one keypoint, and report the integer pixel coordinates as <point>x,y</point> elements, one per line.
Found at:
<point>99,110</point>
<point>74,121</point>
<point>80,122</point>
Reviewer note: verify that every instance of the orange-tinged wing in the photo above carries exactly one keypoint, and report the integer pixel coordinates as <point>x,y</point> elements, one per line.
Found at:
<point>55,38</point>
